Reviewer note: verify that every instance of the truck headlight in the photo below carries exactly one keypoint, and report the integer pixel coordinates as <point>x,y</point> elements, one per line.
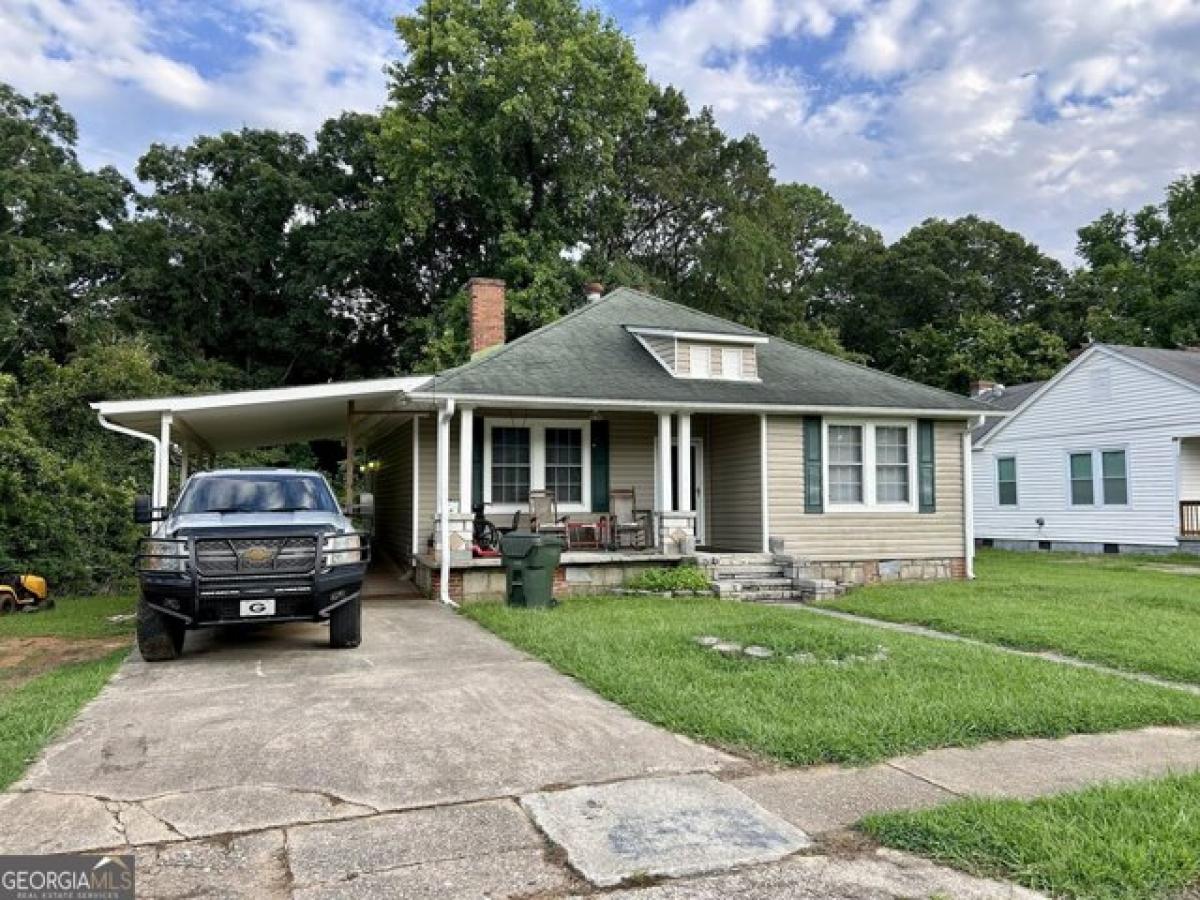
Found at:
<point>343,549</point>
<point>162,556</point>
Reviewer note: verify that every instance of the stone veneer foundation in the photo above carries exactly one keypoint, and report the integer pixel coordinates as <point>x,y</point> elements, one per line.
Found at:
<point>856,572</point>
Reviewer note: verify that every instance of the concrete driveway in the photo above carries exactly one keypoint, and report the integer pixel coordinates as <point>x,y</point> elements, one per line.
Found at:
<point>267,765</point>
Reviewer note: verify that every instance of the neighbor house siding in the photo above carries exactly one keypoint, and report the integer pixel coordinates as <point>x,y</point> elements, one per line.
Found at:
<point>393,492</point>
<point>864,535</point>
<point>1106,402</point>
<point>735,495</point>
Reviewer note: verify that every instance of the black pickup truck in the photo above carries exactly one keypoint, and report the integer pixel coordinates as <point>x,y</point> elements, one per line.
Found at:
<point>245,546</point>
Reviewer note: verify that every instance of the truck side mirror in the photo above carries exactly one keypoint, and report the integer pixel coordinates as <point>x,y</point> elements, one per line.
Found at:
<point>143,509</point>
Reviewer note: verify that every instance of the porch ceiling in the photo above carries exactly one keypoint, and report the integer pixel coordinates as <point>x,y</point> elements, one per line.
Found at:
<point>248,419</point>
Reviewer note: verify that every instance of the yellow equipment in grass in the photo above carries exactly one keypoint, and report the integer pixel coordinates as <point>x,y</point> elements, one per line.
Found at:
<point>23,592</point>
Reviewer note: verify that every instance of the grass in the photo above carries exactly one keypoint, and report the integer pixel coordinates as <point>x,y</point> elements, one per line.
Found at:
<point>1132,841</point>
<point>843,706</point>
<point>72,617</point>
<point>51,663</point>
<point>1120,611</point>
<point>32,714</point>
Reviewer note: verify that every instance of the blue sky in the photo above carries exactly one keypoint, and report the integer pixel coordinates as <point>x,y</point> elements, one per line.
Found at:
<point>1039,114</point>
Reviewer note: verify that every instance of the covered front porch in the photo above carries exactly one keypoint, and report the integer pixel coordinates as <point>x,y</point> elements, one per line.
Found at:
<point>434,475</point>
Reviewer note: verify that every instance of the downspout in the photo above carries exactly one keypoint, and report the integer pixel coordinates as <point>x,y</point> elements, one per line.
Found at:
<point>445,414</point>
<point>121,429</point>
<point>969,498</point>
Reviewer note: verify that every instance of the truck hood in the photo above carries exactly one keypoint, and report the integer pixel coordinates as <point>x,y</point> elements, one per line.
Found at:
<point>315,520</point>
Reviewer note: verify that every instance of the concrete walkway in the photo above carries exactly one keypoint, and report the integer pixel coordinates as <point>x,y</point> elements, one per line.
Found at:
<point>925,631</point>
<point>438,761</point>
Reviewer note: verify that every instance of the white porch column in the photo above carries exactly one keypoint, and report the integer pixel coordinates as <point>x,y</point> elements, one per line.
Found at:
<point>683,459</point>
<point>183,464</point>
<point>445,414</point>
<point>663,501</point>
<point>466,435</point>
<point>162,462</point>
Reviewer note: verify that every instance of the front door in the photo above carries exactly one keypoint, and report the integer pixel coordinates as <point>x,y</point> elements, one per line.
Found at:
<point>697,463</point>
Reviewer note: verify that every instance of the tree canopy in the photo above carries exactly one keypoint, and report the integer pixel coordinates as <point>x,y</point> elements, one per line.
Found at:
<point>520,139</point>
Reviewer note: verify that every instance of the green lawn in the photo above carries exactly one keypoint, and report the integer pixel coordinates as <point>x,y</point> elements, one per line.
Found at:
<point>1115,610</point>
<point>1117,842</point>
<point>640,653</point>
<point>51,664</point>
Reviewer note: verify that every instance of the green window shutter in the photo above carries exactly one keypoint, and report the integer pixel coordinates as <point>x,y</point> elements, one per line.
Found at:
<point>814,495</point>
<point>926,467</point>
<point>477,460</point>
<point>599,466</point>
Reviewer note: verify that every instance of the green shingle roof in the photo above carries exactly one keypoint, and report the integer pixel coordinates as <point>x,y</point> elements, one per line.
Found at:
<point>590,355</point>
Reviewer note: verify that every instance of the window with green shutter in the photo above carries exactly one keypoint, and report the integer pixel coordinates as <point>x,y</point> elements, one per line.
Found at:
<point>813,495</point>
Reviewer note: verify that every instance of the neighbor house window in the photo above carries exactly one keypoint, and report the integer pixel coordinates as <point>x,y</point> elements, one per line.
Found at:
<point>891,464</point>
<point>1083,489</point>
<point>1115,477</point>
<point>510,465</point>
<point>1099,477</point>
<point>870,465</point>
<point>846,464</point>
<point>1006,480</point>
<point>564,464</point>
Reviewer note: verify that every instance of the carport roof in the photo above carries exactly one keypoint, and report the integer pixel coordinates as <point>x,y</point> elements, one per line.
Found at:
<point>246,419</point>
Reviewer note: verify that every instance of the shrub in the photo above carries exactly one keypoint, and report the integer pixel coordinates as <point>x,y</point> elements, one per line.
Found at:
<point>680,578</point>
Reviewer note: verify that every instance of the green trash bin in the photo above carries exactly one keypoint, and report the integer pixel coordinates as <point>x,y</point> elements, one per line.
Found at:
<point>529,563</point>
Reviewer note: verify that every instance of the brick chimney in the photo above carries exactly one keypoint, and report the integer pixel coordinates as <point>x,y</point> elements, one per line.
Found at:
<point>487,314</point>
<point>593,290</point>
<point>982,388</point>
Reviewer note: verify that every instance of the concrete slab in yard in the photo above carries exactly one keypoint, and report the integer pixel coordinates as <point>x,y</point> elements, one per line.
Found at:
<point>661,826</point>
<point>884,875</point>
<point>830,798</point>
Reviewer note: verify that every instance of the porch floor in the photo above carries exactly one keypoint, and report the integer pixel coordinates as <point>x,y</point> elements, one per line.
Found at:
<point>569,557</point>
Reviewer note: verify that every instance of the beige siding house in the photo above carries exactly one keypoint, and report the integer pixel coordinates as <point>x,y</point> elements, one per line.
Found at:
<point>660,435</point>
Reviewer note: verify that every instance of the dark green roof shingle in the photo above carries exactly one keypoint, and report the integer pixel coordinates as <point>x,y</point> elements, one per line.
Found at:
<point>589,355</point>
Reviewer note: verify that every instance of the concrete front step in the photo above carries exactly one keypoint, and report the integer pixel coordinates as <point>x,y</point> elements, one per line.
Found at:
<point>763,571</point>
<point>733,559</point>
<point>751,584</point>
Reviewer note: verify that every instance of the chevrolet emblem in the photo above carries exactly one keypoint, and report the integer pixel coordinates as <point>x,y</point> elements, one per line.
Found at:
<point>256,554</point>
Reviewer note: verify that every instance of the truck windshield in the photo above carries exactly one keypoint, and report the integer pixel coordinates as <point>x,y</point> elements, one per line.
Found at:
<point>256,493</point>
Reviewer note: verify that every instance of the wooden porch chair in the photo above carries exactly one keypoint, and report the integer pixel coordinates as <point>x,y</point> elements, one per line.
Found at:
<point>543,514</point>
<point>629,528</point>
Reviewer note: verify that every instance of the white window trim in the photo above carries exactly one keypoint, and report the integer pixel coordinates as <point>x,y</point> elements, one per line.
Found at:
<point>1016,479</point>
<point>870,504</point>
<point>537,460</point>
<point>1097,454</point>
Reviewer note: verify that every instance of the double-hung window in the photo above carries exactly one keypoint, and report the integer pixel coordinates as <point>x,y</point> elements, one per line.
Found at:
<point>1006,481</point>
<point>870,465</point>
<point>511,464</point>
<point>526,455</point>
<point>564,464</point>
<point>1098,477</point>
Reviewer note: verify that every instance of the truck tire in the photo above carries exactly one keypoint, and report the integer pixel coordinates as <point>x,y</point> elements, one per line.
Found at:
<point>160,637</point>
<point>345,624</point>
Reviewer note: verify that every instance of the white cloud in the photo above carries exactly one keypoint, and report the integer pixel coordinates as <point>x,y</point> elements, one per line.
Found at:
<point>1039,114</point>
<point>302,61</point>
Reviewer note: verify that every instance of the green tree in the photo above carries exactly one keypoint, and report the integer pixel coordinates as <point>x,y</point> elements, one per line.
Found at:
<point>502,133</point>
<point>1141,284</point>
<point>57,248</point>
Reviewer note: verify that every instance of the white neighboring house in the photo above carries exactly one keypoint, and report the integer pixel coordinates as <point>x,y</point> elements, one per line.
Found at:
<point>1104,457</point>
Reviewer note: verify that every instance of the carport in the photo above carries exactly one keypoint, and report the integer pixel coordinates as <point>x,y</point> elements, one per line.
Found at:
<point>188,431</point>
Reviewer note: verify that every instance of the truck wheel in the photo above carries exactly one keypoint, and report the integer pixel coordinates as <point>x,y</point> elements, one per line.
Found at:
<point>8,604</point>
<point>345,624</point>
<point>160,637</point>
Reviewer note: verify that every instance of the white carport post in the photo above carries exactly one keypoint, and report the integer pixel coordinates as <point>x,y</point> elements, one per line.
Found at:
<point>445,414</point>
<point>466,439</point>
<point>162,462</point>
<point>183,463</point>
<point>968,501</point>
